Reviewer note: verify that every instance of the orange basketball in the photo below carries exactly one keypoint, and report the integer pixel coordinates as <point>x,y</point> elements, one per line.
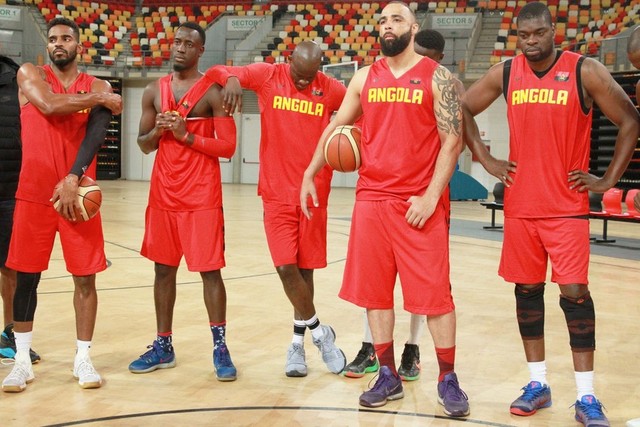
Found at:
<point>89,199</point>
<point>342,148</point>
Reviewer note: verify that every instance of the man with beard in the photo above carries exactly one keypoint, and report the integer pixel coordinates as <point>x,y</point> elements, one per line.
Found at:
<point>549,97</point>
<point>410,144</point>
<point>184,120</point>
<point>296,103</point>
<point>65,114</point>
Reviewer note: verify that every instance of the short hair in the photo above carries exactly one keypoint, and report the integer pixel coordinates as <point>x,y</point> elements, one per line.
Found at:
<point>194,26</point>
<point>535,10</point>
<point>67,22</point>
<point>633,45</point>
<point>430,39</point>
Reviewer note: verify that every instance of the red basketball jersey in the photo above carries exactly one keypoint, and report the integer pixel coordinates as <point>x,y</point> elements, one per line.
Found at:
<point>50,143</point>
<point>400,141</point>
<point>549,135</point>
<point>291,122</point>
<point>184,179</point>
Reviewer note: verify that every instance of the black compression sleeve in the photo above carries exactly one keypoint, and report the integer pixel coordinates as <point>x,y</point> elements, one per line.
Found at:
<point>99,119</point>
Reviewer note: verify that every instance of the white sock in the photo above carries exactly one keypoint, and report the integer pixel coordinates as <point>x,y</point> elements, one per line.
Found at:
<point>416,328</point>
<point>584,383</point>
<point>297,338</point>
<point>82,347</point>
<point>23,343</point>
<point>538,371</point>
<point>367,330</point>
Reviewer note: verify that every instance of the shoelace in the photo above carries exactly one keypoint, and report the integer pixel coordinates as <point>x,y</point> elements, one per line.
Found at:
<point>531,393</point>
<point>407,360</point>
<point>86,369</point>
<point>362,355</point>
<point>19,373</point>
<point>592,411</point>
<point>381,381</point>
<point>453,390</point>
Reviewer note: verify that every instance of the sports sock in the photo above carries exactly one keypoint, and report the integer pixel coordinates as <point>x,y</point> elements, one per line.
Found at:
<point>299,328</point>
<point>538,371</point>
<point>386,356</point>
<point>82,347</point>
<point>584,383</point>
<point>219,331</point>
<point>23,341</point>
<point>415,329</point>
<point>367,330</point>
<point>446,361</point>
<point>165,340</point>
<point>314,326</point>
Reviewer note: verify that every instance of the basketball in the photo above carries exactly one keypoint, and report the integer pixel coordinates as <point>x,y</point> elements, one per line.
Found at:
<point>89,199</point>
<point>342,148</point>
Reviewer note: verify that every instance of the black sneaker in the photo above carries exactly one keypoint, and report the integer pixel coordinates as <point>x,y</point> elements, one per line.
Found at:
<point>8,345</point>
<point>409,369</point>
<point>364,363</point>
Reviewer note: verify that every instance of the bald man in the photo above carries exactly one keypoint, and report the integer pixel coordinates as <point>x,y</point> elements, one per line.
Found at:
<point>633,53</point>
<point>296,103</point>
<point>399,227</point>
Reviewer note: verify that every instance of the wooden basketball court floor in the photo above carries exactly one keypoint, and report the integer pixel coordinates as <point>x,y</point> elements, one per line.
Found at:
<point>490,361</point>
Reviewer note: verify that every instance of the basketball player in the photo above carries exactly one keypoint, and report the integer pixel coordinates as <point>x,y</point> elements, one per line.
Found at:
<point>184,120</point>
<point>549,97</point>
<point>67,114</point>
<point>296,103</point>
<point>633,53</point>
<point>10,156</point>
<point>429,43</point>
<point>410,145</point>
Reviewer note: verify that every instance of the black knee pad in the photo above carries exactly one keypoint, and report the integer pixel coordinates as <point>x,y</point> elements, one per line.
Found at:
<point>26,297</point>
<point>581,321</point>
<point>530,311</point>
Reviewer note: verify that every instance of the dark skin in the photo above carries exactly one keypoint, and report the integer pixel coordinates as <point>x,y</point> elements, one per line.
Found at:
<point>633,53</point>
<point>187,50</point>
<point>535,39</point>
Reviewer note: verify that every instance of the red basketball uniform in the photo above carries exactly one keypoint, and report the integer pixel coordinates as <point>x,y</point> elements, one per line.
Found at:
<point>184,180</point>
<point>399,147</point>
<point>49,148</point>
<point>549,136</point>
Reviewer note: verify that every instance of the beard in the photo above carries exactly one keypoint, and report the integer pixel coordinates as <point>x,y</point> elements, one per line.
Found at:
<point>178,67</point>
<point>395,46</point>
<point>63,62</point>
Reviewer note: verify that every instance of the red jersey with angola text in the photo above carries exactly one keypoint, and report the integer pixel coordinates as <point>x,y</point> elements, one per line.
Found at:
<point>50,143</point>
<point>291,122</point>
<point>549,135</point>
<point>400,141</point>
<point>184,179</point>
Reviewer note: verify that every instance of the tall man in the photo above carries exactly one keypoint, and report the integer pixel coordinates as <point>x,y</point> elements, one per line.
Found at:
<point>549,97</point>
<point>10,159</point>
<point>410,144</point>
<point>296,103</point>
<point>184,119</point>
<point>67,114</point>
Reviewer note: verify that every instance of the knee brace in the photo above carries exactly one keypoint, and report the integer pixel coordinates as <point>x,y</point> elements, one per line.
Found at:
<point>530,311</point>
<point>26,297</point>
<point>581,322</point>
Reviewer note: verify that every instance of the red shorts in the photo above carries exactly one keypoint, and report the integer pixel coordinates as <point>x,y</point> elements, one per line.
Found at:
<point>198,235</point>
<point>34,231</point>
<point>292,238</point>
<point>382,245</point>
<point>529,242</point>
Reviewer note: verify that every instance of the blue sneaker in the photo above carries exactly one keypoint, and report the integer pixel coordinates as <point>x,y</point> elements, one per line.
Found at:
<point>8,345</point>
<point>535,396</point>
<point>225,371</point>
<point>387,387</point>
<point>155,358</point>
<point>451,396</point>
<point>589,412</point>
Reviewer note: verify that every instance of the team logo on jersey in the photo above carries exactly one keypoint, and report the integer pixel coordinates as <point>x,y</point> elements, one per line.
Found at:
<point>539,96</point>
<point>562,76</point>
<point>395,94</point>
<point>415,81</point>
<point>317,92</point>
<point>296,105</point>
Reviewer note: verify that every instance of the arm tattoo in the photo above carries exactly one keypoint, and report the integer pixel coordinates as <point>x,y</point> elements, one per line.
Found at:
<point>448,113</point>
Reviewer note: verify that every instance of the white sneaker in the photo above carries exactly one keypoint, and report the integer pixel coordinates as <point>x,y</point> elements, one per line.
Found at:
<point>332,356</point>
<point>296,366</point>
<point>85,373</point>
<point>20,375</point>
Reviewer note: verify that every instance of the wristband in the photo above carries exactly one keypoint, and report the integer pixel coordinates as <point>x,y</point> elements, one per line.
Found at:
<point>184,139</point>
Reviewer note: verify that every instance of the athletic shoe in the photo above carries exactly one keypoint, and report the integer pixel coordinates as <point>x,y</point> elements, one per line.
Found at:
<point>225,371</point>
<point>19,377</point>
<point>8,345</point>
<point>535,396</point>
<point>451,396</point>
<point>332,356</point>
<point>589,412</point>
<point>387,387</point>
<point>155,358</point>
<point>409,369</point>
<point>85,373</point>
<point>296,366</point>
<point>364,363</point>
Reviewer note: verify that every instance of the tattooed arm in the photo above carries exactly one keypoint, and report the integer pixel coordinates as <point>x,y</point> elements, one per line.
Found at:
<point>447,109</point>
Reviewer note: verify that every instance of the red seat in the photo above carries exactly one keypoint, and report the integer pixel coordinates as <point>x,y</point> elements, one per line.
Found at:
<point>631,209</point>
<point>612,201</point>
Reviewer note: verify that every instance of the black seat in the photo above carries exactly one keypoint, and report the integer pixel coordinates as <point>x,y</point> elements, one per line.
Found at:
<point>498,193</point>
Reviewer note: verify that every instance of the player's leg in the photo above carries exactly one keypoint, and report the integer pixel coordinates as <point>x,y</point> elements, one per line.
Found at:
<point>161,245</point>
<point>366,360</point>
<point>568,242</point>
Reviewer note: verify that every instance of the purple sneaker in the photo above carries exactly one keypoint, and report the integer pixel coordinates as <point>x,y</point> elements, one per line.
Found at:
<point>454,400</point>
<point>387,387</point>
<point>589,412</point>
